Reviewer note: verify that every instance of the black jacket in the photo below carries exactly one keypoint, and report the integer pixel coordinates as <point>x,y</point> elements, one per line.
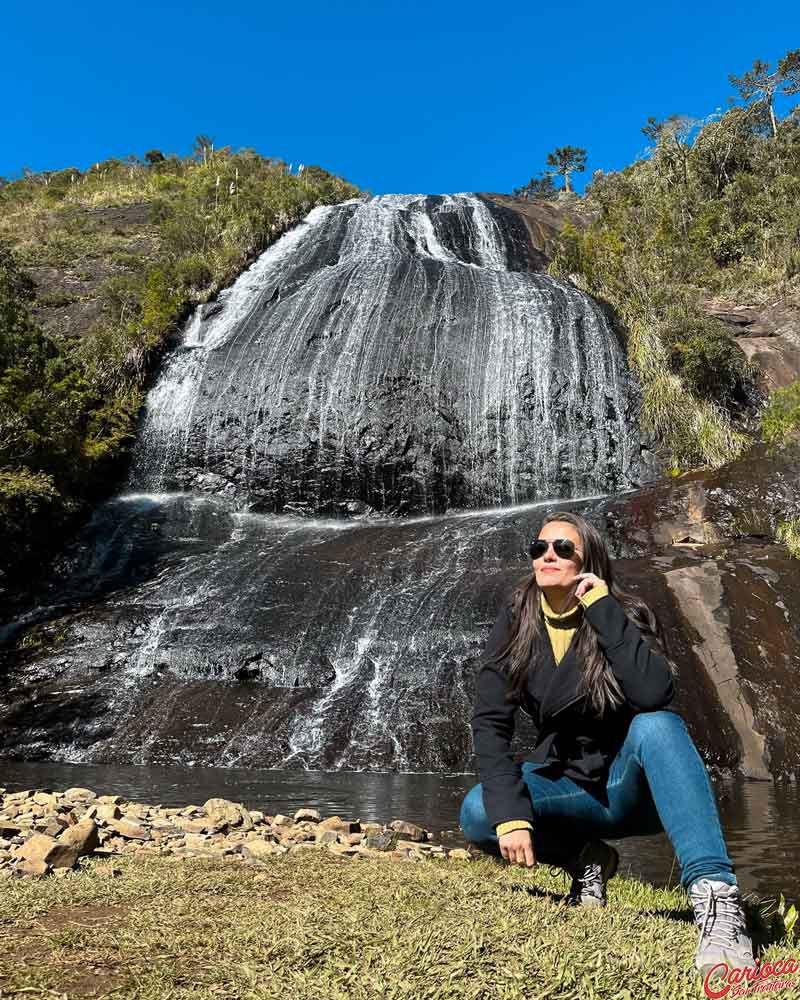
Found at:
<point>569,738</point>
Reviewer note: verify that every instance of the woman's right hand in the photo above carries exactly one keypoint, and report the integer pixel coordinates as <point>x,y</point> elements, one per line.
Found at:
<point>517,848</point>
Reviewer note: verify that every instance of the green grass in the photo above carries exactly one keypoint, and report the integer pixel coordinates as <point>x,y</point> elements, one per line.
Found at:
<point>310,925</point>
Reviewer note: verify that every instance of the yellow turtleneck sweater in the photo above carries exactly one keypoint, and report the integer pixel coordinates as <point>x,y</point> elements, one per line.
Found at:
<point>560,628</point>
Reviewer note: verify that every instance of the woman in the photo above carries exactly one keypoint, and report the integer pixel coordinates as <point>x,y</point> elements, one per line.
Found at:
<point>587,661</point>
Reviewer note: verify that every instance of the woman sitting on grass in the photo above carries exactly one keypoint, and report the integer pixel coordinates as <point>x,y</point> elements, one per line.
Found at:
<point>586,660</point>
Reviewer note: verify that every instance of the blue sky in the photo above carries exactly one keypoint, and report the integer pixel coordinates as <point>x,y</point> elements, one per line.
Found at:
<point>402,97</point>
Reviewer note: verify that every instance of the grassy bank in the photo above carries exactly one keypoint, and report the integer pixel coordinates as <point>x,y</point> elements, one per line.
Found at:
<point>309,925</point>
<point>712,210</point>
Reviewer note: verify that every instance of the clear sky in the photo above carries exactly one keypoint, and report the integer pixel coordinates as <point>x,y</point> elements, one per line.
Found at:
<point>396,97</point>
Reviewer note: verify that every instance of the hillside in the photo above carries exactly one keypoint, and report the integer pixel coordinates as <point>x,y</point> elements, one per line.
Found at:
<point>97,269</point>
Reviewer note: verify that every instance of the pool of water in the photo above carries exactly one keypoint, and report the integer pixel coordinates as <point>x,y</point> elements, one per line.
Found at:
<point>759,818</point>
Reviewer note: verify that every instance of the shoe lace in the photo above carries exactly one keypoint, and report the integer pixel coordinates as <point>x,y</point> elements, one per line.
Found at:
<point>725,916</point>
<point>591,879</point>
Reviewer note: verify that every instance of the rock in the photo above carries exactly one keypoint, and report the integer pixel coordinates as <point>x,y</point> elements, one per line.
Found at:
<point>33,867</point>
<point>459,854</point>
<point>339,824</point>
<point>107,811</point>
<point>196,841</point>
<point>381,841</point>
<point>83,836</point>
<point>411,845</point>
<point>306,814</point>
<point>194,825</point>
<point>259,849</point>
<point>114,800</point>
<point>79,794</point>
<point>48,851</point>
<point>107,870</point>
<point>256,816</point>
<point>327,837</point>
<point>46,799</point>
<point>50,825</point>
<point>128,829</point>
<point>281,820</point>
<point>231,814</point>
<point>410,830</point>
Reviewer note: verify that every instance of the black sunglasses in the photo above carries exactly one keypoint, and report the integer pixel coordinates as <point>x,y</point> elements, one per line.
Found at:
<point>564,548</point>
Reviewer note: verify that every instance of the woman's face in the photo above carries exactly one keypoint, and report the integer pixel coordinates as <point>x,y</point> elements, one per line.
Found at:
<point>550,569</point>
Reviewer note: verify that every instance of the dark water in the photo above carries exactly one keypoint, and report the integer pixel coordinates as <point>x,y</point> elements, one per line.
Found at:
<point>759,818</point>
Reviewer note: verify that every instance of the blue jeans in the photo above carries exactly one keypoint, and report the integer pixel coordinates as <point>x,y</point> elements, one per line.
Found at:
<point>657,783</point>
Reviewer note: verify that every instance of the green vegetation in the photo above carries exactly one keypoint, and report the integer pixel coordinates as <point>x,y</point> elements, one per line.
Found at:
<point>153,238</point>
<point>713,209</point>
<point>311,926</point>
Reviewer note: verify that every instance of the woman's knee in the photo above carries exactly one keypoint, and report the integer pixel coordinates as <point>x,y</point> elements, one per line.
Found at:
<point>473,820</point>
<point>660,721</point>
<point>656,727</point>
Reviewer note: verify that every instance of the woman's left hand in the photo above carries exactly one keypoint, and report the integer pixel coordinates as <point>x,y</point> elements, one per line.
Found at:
<point>587,581</point>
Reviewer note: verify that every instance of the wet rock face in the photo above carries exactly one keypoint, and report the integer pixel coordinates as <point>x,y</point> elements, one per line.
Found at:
<point>236,639</point>
<point>402,353</point>
<point>733,595</point>
<point>769,335</point>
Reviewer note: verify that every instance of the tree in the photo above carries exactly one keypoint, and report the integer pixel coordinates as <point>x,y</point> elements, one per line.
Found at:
<point>761,83</point>
<point>537,187</point>
<point>154,156</point>
<point>671,138</point>
<point>567,159</point>
<point>204,146</point>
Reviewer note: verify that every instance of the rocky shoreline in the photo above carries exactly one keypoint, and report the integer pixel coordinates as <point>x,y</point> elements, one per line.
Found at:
<point>45,832</point>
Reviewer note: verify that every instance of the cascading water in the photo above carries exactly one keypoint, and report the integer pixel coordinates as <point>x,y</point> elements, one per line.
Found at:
<point>392,356</point>
<point>385,353</point>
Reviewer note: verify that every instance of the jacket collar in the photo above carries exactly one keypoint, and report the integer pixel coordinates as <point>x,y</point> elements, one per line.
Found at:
<point>555,687</point>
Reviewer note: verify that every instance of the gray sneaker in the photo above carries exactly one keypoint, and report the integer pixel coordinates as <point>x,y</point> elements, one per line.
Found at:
<point>595,865</point>
<point>722,922</point>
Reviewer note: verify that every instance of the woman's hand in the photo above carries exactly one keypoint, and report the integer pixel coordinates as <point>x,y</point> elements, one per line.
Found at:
<point>587,581</point>
<point>517,848</point>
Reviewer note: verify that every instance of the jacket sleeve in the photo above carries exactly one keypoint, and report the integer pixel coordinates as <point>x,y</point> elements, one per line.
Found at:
<point>643,674</point>
<point>505,794</point>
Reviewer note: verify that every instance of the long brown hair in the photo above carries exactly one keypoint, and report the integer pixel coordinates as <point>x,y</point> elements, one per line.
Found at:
<point>528,629</point>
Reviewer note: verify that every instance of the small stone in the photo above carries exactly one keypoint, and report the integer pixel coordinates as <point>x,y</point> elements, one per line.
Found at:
<point>281,820</point>
<point>459,854</point>
<point>113,800</point>
<point>32,867</point>
<point>128,829</point>
<point>307,814</point>
<point>409,830</point>
<point>327,837</point>
<point>80,794</point>
<point>107,870</point>
<point>227,813</point>
<point>46,799</point>
<point>381,841</point>
<point>107,811</point>
<point>340,825</point>
<point>259,849</point>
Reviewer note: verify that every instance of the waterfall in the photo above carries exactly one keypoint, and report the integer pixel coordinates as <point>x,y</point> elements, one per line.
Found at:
<point>387,353</point>
<point>395,356</point>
